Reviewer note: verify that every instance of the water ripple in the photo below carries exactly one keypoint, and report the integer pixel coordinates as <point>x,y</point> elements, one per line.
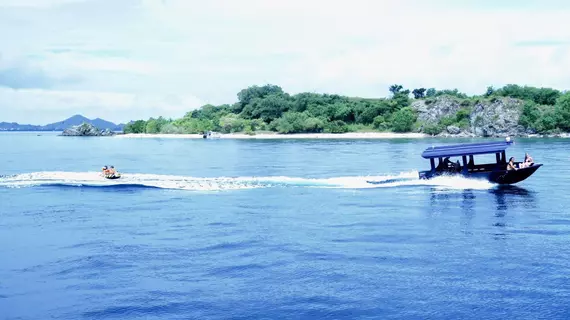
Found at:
<point>309,240</point>
<point>144,310</point>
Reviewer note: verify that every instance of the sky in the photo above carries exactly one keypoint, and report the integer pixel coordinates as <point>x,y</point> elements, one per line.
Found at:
<point>134,59</point>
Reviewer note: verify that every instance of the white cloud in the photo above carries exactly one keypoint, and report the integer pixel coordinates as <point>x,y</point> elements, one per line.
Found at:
<point>79,62</point>
<point>212,49</point>
<point>43,106</point>
<point>36,3</point>
<point>367,41</point>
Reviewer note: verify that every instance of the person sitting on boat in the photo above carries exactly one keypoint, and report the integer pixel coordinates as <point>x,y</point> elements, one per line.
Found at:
<point>511,164</point>
<point>111,171</point>
<point>457,166</point>
<point>528,161</point>
<point>445,164</point>
<point>105,170</point>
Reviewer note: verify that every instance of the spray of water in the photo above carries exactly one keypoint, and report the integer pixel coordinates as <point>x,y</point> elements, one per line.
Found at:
<point>93,179</point>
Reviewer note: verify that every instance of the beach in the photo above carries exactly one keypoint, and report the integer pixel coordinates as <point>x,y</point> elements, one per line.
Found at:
<point>348,135</point>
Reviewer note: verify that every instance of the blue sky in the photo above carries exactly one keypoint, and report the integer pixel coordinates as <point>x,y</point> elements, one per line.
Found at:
<point>131,59</point>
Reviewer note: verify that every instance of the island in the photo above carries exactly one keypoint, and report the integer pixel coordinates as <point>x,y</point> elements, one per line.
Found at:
<point>511,110</point>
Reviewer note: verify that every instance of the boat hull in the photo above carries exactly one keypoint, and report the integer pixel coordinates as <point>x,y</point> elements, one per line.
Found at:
<point>495,176</point>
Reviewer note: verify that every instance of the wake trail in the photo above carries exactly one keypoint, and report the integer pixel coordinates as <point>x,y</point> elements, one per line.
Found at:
<point>93,179</point>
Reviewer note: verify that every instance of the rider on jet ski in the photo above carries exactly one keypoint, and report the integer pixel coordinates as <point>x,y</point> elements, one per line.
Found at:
<point>109,171</point>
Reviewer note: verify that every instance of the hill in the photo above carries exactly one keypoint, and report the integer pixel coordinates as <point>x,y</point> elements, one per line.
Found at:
<point>511,110</point>
<point>62,125</point>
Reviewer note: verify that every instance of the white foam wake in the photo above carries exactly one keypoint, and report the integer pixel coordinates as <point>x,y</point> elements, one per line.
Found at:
<point>234,183</point>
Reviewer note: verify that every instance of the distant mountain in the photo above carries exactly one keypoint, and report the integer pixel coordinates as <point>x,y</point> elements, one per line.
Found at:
<point>77,120</point>
<point>62,125</point>
<point>13,126</point>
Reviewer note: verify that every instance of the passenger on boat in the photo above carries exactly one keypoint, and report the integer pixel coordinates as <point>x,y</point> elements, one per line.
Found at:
<point>446,163</point>
<point>105,170</point>
<point>443,165</point>
<point>457,166</point>
<point>511,164</point>
<point>528,161</point>
<point>111,171</point>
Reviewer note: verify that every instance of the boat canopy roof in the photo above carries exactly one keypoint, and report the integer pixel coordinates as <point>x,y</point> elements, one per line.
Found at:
<point>466,149</point>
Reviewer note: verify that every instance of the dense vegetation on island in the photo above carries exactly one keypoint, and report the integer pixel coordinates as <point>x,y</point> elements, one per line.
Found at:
<point>269,108</point>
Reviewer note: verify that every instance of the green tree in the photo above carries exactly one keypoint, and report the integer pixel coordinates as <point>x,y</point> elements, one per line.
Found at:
<point>231,123</point>
<point>297,122</point>
<point>380,123</point>
<point>546,96</point>
<point>400,100</point>
<point>453,93</point>
<point>210,111</point>
<point>268,108</point>
<point>547,122</point>
<point>138,126</point>
<point>313,125</point>
<point>155,125</point>
<point>432,129</point>
<point>541,96</point>
<point>430,93</point>
<point>403,120</point>
<point>419,93</point>
<point>562,110</point>
<point>336,126</point>
<point>151,126</point>
<point>303,101</point>
<point>530,115</point>
<point>396,88</point>
<point>246,96</point>
<point>367,111</point>
<point>170,128</point>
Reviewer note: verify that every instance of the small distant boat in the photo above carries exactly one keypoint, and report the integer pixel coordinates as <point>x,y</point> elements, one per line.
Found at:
<point>211,135</point>
<point>494,172</point>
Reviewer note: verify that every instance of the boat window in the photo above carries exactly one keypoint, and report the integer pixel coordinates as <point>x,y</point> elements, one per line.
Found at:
<point>450,163</point>
<point>485,159</point>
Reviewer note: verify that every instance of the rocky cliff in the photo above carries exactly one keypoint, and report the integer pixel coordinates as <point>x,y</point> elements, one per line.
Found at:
<point>86,130</point>
<point>451,116</point>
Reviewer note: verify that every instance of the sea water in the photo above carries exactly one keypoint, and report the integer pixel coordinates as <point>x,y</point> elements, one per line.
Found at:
<point>276,229</point>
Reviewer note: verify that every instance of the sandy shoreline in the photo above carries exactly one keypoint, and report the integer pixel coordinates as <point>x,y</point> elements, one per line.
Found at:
<point>349,135</point>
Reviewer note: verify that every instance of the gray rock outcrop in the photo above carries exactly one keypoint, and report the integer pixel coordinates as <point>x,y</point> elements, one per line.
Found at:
<point>500,118</point>
<point>496,117</point>
<point>453,129</point>
<point>430,111</point>
<point>86,130</point>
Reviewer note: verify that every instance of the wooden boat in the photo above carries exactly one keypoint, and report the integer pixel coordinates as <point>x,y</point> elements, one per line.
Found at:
<point>211,135</point>
<point>494,172</point>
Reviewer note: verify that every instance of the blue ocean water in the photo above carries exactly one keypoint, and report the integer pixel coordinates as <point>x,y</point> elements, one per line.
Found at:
<point>275,229</point>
